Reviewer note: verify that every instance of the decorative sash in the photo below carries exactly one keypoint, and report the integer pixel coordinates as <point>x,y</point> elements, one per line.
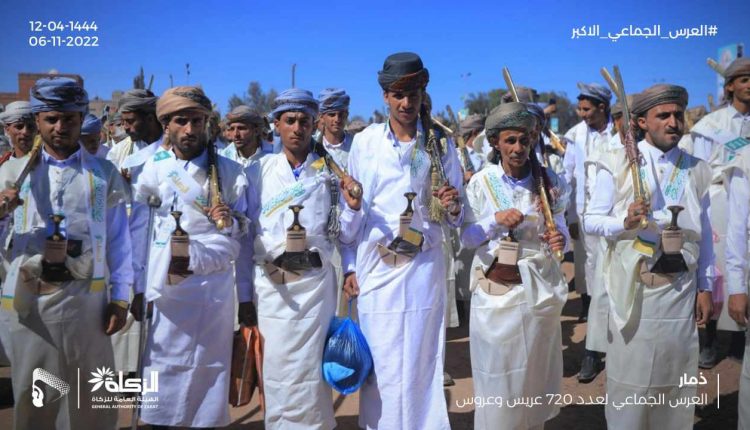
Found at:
<point>295,194</point>
<point>495,192</point>
<point>672,188</point>
<point>178,179</point>
<point>731,142</point>
<point>140,157</point>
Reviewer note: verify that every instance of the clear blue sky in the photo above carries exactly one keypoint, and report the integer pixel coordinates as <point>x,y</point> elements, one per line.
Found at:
<point>343,44</point>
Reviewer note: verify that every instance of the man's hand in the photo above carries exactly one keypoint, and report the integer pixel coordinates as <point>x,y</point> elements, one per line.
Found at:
<point>509,218</point>
<point>448,197</point>
<point>346,184</point>
<point>351,286</point>
<point>247,314</point>
<point>136,308</point>
<point>115,318</point>
<point>704,307</point>
<point>9,201</point>
<point>637,211</point>
<point>219,212</point>
<point>738,308</point>
<point>556,240</point>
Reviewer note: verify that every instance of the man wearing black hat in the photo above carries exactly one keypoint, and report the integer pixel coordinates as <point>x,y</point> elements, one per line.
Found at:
<point>654,274</point>
<point>410,185</point>
<point>585,140</point>
<point>717,138</point>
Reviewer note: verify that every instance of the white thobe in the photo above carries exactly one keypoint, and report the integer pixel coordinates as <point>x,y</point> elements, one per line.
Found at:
<point>583,144</point>
<point>515,338</point>
<point>653,338</point>
<point>123,149</point>
<point>230,151</point>
<point>125,341</point>
<point>190,338</point>
<point>712,139</point>
<point>401,309</point>
<point>63,332</point>
<point>294,318</point>
<point>737,254</point>
<point>598,316</point>
<point>340,154</point>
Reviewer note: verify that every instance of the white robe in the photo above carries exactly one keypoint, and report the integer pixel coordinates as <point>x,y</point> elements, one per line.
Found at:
<point>653,338</point>
<point>401,310</point>
<point>123,149</point>
<point>190,339</point>
<point>294,318</point>
<point>736,178</point>
<point>515,338</point>
<point>63,332</point>
<point>125,341</point>
<point>584,144</point>
<point>598,316</point>
<point>707,141</point>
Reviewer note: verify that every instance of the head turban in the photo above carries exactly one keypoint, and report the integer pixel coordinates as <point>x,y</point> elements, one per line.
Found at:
<point>58,94</point>
<point>596,92</point>
<point>658,95</point>
<point>137,100</point>
<point>537,111</point>
<point>91,125</point>
<point>182,98</point>
<point>333,100</point>
<point>739,67</point>
<point>509,115</point>
<point>473,122</point>
<point>115,118</point>
<point>617,107</point>
<point>245,115</point>
<point>525,95</point>
<point>403,71</point>
<point>15,112</point>
<point>295,99</point>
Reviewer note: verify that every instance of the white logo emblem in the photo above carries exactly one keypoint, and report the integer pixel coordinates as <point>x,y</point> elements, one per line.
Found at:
<point>37,393</point>
<point>104,376</point>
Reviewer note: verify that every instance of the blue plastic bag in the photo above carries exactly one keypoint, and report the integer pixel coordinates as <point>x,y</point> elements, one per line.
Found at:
<point>347,361</point>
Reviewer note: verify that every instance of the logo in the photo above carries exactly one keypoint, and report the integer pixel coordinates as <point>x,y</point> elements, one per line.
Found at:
<point>105,377</point>
<point>37,392</point>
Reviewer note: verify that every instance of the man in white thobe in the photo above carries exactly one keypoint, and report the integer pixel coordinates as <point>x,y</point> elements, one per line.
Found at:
<point>653,278</point>
<point>191,285</point>
<point>401,278</point>
<point>295,283</point>
<point>585,139</point>
<point>136,108</point>
<point>515,335</point>
<point>245,129</point>
<point>56,312</point>
<point>737,175</point>
<point>715,139</point>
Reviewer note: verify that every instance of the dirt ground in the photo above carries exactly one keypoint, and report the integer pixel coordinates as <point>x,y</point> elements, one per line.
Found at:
<point>721,412</point>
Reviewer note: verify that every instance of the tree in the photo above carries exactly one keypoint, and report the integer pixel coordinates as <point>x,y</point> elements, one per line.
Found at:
<point>255,98</point>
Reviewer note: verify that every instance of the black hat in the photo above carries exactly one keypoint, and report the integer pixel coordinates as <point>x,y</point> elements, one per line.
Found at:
<point>403,71</point>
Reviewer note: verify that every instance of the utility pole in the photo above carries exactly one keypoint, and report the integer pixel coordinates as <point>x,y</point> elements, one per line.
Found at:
<point>294,68</point>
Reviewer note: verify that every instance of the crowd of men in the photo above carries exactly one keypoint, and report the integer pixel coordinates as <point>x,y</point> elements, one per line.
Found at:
<point>277,219</point>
